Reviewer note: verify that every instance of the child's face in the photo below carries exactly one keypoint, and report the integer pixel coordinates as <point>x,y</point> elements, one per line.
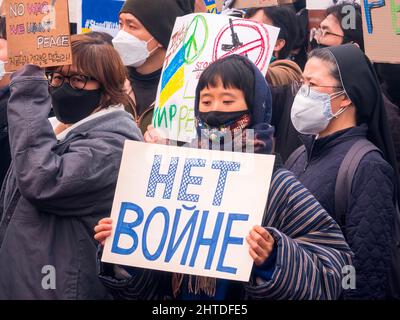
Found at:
<point>220,99</point>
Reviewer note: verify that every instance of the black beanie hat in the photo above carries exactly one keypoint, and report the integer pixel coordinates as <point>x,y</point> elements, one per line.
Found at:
<point>158,16</point>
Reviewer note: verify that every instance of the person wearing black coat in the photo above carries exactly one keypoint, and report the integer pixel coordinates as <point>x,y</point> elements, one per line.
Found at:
<point>339,104</point>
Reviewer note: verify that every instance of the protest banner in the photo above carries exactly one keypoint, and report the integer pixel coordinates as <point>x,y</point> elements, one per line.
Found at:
<point>187,210</point>
<point>101,15</point>
<point>198,40</point>
<point>381,26</point>
<point>37,33</point>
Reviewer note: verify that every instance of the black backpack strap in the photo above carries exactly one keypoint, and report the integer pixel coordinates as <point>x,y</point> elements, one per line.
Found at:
<point>294,157</point>
<point>346,174</point>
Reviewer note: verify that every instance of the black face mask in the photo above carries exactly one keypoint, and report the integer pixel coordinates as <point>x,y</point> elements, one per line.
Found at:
<point>315,45</point>
<point>71,106</point>
<point>216,119</point>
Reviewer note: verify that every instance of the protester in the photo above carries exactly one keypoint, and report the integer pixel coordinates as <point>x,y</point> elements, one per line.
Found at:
<point>337,28</point>
<point>340,104</point>
<point>300,251</point>
<point>63,177</point>
<point>282,73</point>
<point>5,158</point>
<point>145,30</point>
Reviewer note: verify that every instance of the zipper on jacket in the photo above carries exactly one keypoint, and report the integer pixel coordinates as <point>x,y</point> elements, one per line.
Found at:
<point>145,112</point>
<point>309,156</point>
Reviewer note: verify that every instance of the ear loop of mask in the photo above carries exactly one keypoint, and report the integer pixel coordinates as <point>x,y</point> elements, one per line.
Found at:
<point>154,50</point>
<point>342,109</point>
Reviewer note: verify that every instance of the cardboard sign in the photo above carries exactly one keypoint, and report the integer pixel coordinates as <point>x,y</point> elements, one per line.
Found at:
<point>243,4</point>
<point>198,40</point>
<point>179,209</point>
<point>381,26</point>
<point>37,33</point>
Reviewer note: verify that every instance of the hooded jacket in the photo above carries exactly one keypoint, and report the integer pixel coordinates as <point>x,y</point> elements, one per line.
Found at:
<point>54,194</point>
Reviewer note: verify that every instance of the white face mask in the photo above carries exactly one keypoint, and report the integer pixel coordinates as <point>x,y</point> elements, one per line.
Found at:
<point>311,114</point>
<point>132,50</point>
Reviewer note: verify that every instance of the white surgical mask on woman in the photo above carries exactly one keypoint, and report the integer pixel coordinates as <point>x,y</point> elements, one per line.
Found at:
<point>312,113</point>
<point>132,50</point>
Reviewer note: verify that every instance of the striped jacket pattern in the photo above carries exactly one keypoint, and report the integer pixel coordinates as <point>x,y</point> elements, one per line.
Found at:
<point>311,253</point>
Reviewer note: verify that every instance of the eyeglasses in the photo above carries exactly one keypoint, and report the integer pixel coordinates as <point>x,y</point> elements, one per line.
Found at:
<point>76,81</point>
<point>320,33</point>
<point>304,89</point>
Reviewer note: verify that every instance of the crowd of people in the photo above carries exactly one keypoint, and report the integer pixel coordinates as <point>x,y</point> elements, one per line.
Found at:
<point>329,115</point>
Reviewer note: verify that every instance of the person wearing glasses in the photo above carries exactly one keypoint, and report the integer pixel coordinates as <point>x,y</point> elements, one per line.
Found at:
<point>333,30</point>
<point>62,177</point>
<point>338,106</point>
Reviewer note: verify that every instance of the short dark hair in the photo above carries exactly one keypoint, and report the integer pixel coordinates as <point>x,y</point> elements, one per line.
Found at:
<point>350,35</point>
<point>234,72</point>
<point>283,17</point>
<point>3,33</point>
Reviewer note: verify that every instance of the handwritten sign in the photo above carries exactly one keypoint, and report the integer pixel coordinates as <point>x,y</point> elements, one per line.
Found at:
<point>381,25</point>
<point>37,33</point>
<point>197,41</point>
<point>187,210</point>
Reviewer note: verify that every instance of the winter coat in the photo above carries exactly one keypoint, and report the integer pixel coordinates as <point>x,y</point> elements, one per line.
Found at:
<point>54,194</point>
<point>369,217</point>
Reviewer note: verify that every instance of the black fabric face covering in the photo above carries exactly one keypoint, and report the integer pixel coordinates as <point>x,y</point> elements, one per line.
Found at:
<point>216,119</point>
<point>315,45</point>
<point>71,106</point>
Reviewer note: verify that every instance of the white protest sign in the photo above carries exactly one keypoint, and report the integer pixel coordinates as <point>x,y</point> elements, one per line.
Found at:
<point>198,40</point>
<point>187,210</point>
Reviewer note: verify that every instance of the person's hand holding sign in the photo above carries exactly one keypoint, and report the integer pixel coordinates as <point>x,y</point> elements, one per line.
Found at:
<point>261,244</point>
<point>260,241</point>
<point>103,230</point>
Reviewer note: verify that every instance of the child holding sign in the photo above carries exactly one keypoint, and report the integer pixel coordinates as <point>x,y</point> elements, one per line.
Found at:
<point>299,252</point>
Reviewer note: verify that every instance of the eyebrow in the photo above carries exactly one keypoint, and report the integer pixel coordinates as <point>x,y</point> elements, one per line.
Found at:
<point>205,95</point>
<point>229,94</point>
<point>129,21</point>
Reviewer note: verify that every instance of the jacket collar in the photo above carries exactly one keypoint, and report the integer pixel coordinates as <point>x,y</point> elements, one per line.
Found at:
<point>316,147</point>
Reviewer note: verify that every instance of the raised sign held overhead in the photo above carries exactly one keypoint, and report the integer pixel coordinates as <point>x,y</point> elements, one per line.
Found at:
<point>179,209</point>
<point>37,33</point>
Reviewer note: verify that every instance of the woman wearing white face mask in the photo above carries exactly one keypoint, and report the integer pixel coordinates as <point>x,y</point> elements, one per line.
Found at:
<point>142,42</point>
<point>340,112</point>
